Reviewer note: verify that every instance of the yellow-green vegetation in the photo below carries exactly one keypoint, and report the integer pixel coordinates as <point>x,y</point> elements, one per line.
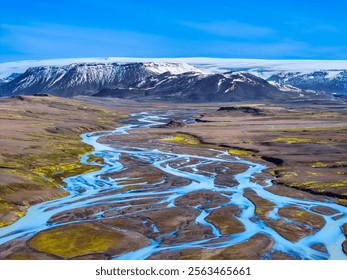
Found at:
<point>276,171</point>
<point>224,219</point>
<point>12,117</point>
<point>239,152</point>
<point>263,209</point>
<point>62,160</point>
<point>75,240</point>
<point>96,159</point>
<point>13,212</point>
<point>342,201</point>
<point>56,173</point>
<point>289,175</point>
<point>319,164</point>
<point>302,216</point>
<point>321,186</point>
<point>294,140</point>
<point>262,206</point>
<point>183,138</point>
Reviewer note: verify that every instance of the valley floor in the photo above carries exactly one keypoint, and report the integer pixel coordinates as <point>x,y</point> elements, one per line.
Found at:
<point>302,145</point>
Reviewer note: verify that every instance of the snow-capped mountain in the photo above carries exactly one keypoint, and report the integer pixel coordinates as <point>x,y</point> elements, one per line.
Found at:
<point>287,75</point>
<point>328,81</point>
<point>9,78</point>
<point>328,76</point>
<point>87,78</point>
<point>175,81</point>
<point>151,80</point>
<point>197,87</point>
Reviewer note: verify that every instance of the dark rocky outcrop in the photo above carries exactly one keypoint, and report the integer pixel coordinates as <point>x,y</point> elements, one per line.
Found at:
<point>244,109</point>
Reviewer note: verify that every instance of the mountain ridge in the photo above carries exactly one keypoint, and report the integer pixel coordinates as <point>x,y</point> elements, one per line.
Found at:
<point>86,78</point>
<point>147,80</point>
<point>287,75</point>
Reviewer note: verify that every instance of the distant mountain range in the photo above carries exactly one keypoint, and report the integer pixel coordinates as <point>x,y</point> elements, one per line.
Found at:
<point>198,87</point>
<point>334,82</point>
<point>154,81</point>
<point>223,80</point>
<point>87,78</point>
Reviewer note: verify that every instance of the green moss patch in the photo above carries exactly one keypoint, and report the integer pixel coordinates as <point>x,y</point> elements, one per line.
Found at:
<point>184,139</point>
<point>297,140</point>
<point>75,240</point>
<point>96,159</point>
<point>239,152</point>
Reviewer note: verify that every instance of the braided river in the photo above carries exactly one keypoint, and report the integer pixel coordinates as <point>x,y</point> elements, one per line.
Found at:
<point>95,188</point>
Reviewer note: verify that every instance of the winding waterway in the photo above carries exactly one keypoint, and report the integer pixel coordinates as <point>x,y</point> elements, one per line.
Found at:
<point>93,189</point>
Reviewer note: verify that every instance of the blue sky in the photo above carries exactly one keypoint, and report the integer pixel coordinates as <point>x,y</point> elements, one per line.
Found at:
<point>269,29</point>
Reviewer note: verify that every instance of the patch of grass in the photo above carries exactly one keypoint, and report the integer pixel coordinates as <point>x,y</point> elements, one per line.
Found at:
<point>319,164</point>
<point>75,240</point>
<point>262,206</point>
<point>321,185</point>
<point>184,139</point>
<point>302,216</point>
<point>5,223</point>
<point>56,173</point>
<point>5,207</point>
<point>239,152</point>
<point>96,159</point>
<point>12,117</point>
<point>62,160</point>
<point>12,212</point>
<point>342,201</point>
<point>289,175</point>
<point>295,140</point>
